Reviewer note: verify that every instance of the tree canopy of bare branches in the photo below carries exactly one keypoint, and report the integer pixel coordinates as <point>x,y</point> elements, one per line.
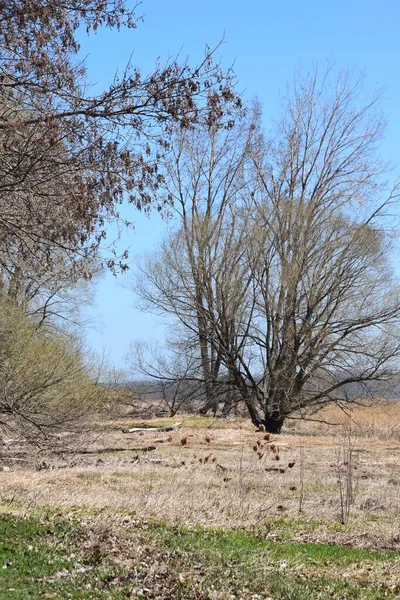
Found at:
<point>205,179</point>
<point>297,299</point>
<point>69,157</point>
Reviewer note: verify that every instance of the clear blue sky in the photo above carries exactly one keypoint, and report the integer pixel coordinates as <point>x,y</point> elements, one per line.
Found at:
<point>265,40</point>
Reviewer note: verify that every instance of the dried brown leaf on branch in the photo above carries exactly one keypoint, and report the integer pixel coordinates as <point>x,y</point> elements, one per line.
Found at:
<point>69,157</point>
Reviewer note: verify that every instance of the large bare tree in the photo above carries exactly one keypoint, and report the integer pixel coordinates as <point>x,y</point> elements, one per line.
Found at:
<point>302,306</point>
<point>326,304</point>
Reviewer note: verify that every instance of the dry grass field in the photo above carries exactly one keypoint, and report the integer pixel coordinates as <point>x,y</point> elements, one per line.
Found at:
<point>336,482</point>
<point>314,484</point>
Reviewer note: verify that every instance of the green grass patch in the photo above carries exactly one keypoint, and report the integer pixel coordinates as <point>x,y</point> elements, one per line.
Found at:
<point>200,422</point>
<point>91,554</point>
<point>194,421</point>
<point>148,423</point>
<point>283,570</point>
<point>36,564</point>
<point>239,544</point>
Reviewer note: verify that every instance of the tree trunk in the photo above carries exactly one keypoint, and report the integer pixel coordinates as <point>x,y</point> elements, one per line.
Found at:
<point>273,423</point>
<point>275,410</point>
<point>211,400</point>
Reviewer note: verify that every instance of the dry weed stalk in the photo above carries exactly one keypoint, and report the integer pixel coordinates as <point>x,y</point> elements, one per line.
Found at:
<point>346,459</point>
<point>301,476</point>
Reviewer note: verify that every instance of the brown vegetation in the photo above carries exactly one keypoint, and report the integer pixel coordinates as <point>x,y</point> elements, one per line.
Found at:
<point>223,483</point>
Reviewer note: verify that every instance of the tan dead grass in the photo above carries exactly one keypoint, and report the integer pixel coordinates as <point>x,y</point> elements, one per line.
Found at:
<point>380,420</point>
<point>237,488</point>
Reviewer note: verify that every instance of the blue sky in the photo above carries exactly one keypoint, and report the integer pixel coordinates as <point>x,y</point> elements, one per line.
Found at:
<point>265,41</point>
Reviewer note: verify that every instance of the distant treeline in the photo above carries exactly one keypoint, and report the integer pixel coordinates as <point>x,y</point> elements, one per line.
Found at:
<point>193,392</point>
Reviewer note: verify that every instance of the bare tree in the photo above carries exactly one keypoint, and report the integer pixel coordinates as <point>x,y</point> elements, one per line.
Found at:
<point>302,302</point>
<point>325,306</point>
<point>170,375</point>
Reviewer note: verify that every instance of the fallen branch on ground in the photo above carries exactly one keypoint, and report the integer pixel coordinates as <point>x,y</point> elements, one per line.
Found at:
<point>106,450</point>
<point>166,428</point>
